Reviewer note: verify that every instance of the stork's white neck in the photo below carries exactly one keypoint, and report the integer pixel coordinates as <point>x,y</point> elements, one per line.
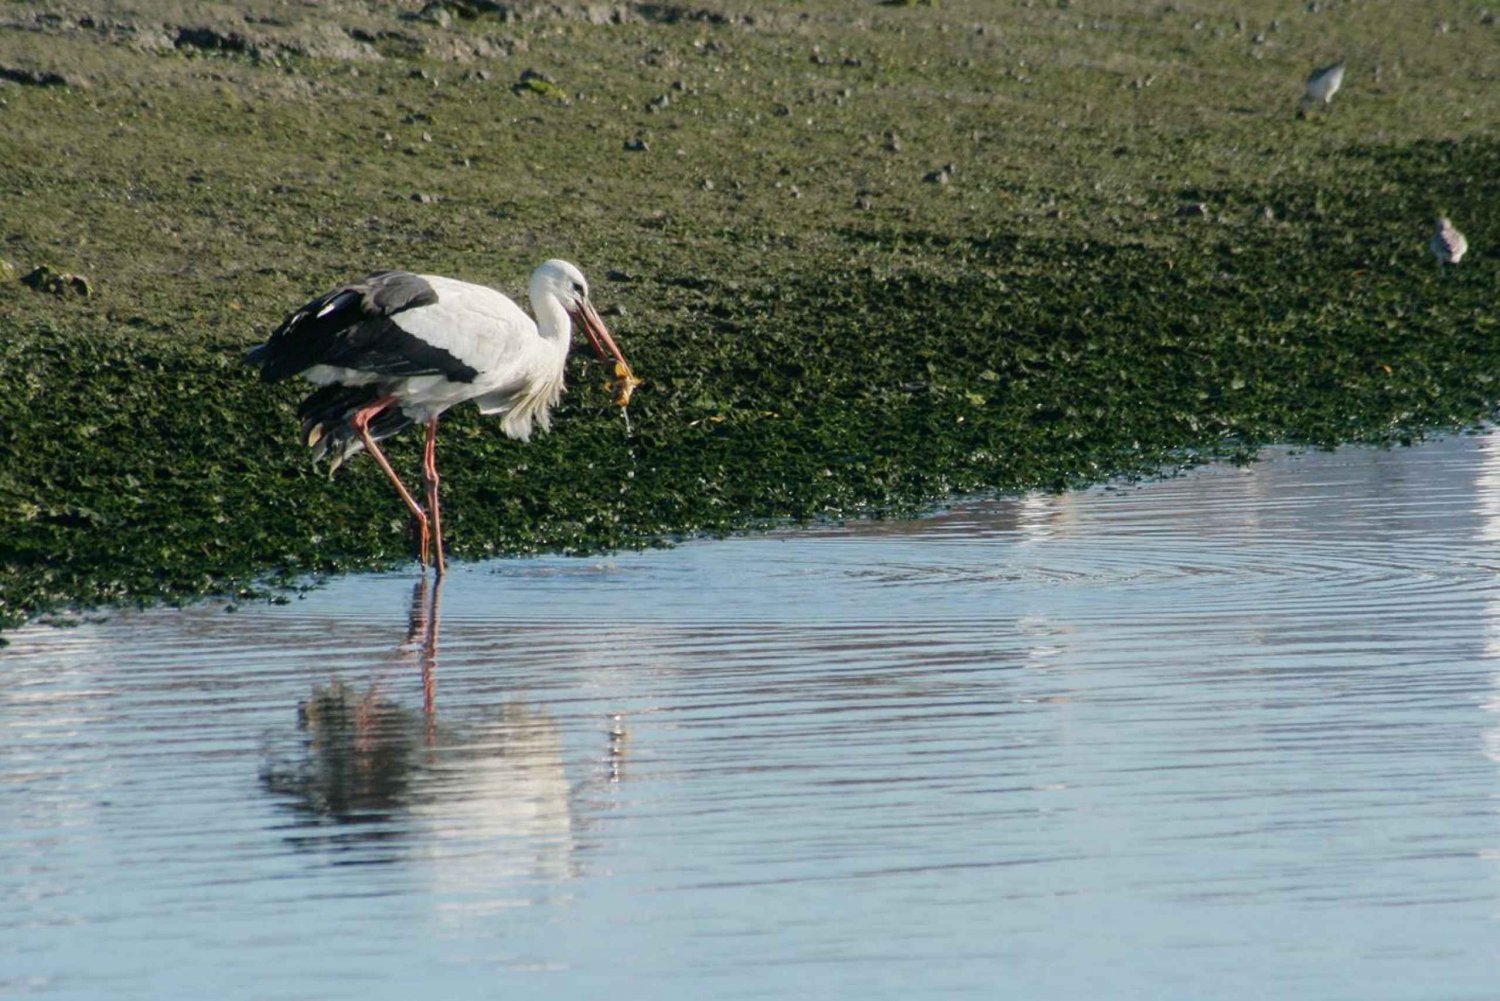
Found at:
<point>552,320</point>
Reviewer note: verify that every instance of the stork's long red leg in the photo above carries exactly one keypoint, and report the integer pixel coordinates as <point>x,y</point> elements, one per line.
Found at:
<point>361,422</point>
<point>430,481</point>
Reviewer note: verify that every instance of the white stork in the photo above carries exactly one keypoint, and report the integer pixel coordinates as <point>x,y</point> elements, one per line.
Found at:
<point>1322,84</point>
<point>396,349</point>
<point>1447,244</point>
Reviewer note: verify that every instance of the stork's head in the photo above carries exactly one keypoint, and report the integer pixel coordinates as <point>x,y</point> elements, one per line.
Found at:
<point>563,282</point>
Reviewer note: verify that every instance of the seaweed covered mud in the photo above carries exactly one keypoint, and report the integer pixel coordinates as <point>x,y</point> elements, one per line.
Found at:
<point>866,255</point>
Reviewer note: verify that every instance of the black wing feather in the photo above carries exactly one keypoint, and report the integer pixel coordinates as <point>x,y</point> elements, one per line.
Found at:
<point>357,326</point>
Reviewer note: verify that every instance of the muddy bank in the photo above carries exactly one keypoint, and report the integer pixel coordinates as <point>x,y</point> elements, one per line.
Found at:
<point>863,257</point>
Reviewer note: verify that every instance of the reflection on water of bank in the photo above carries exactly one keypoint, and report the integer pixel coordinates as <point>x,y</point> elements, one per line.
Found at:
<point>1223,735</point>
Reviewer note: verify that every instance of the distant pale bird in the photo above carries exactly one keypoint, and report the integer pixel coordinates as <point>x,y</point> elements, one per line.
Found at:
<point>1448,244</point>
<point>1324,82</point>
<point>395,349</point>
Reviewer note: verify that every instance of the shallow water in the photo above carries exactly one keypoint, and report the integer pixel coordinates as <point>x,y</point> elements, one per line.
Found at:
<point>1231,735</point>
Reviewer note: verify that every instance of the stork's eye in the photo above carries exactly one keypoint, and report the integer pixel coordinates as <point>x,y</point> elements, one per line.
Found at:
<point>578,289</point>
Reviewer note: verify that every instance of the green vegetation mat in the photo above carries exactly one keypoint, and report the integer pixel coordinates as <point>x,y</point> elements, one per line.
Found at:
<point>865,255</point>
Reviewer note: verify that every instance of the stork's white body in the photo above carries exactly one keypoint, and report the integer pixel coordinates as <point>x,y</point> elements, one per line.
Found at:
<point>519,361</point>
<point>1323,83</point>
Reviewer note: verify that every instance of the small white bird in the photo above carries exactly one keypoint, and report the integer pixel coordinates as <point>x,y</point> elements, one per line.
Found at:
<point>1324,82</point>
<point>394,349</point>
<point>1447,244</point>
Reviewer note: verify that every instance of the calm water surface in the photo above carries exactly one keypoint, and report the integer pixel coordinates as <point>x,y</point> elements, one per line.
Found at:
<point>1232,735</point>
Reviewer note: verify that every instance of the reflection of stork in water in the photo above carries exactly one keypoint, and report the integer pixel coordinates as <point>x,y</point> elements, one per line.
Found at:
<point>495,787</point>
<point>423,623</point>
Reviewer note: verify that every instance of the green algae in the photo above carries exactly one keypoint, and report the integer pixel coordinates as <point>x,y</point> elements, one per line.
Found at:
<point>822,333</point>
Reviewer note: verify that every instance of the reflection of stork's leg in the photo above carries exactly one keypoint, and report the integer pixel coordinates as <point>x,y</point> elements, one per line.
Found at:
<point>429,660</point>
<point>416,614</point>
<point>361,423</point>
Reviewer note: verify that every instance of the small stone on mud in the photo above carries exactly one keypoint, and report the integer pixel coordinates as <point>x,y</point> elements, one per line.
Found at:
<point>48,279</point>
<point>33,78</point>
<point>436,13</point>
<point>532,82</point>
<point>636,145</point>
<point>1192,210</point>
<point>423,197</point>
<point>210,40</point>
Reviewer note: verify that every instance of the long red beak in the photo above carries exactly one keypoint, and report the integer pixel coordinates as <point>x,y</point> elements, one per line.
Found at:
<point>624,381</point>
<point>598,334</point>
